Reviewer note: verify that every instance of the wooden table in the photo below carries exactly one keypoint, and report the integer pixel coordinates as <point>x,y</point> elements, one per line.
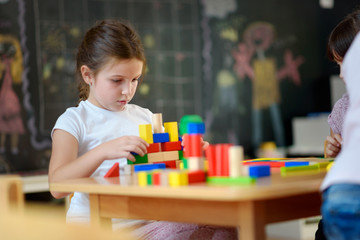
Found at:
<point>271,199</point>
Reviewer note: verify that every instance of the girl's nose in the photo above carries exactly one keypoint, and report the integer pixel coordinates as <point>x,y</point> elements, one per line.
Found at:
<point>126,88</point>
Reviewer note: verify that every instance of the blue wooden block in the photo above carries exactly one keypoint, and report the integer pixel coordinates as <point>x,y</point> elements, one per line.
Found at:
<point>149,167</point>
<point>196,128</point>
<point>259,171</point>
<point>296,164</point>
<point>161,137</point>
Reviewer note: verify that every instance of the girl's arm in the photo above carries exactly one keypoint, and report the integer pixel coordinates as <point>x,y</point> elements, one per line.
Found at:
<point>65,164</point>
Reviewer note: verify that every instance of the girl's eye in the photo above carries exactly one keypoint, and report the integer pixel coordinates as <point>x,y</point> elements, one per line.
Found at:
<point>116,80</point>
<point>135,79</point>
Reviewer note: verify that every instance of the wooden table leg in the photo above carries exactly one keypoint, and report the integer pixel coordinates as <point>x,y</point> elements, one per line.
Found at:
<point>95,217</point>
<point>252,221</point>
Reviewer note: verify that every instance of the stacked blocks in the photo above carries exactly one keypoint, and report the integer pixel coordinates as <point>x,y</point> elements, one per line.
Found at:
<point>163,146</point>
<point>192,127</point>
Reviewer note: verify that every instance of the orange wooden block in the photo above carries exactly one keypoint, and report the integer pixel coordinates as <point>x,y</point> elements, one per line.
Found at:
<point>114,171</point>
<point>169,164</point>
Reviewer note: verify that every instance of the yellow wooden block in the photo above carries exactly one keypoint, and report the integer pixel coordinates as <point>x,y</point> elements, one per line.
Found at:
<point>155,157</point>
<point>145,132</point>
<point>178,178</point>
<point>172,129</point>
<point>142,178</point>
<point>170,155</point>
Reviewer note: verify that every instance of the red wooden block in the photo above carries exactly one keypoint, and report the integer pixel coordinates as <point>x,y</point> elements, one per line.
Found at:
<point>153,147</point>
<point>193,145</point>
<point>225,160</point>
<point>171,146</point>
<point>156,178</point>
<point>211,158</point>
<point>114,171</point>
<point>196,176</point>
<point>169,164</point>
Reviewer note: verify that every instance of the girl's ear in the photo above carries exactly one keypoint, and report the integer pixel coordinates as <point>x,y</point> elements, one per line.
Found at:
<point>86,74</point>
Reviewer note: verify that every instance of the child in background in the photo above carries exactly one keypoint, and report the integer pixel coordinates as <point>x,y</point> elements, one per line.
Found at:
<point>103,129</point>
<point>339,42</point>
<point>341,187</point>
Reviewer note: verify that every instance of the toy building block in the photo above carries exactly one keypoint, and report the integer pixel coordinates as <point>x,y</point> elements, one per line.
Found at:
<point>300,169</point>
<point>236,157</point>
<point>171,146</point>
<point>256,171</point>
<point>155,157</point>
<point>231,181</point>
<point>148,167</point>
<point>196,128</point>
<point>114,171</point>
<point>142,178</point>
<point>195,163</point>
<point>192,145</point>
<point>172,129</point>
<point>196,176</point>
<point>145,132</point>
<point>149,178</point>
<point>157,121</point>
<point>211,159</point>
<point>160,137</point>
<point>156,179</point>
<point>178,178</point>
<point>139,159</point>
<point>170,155</point>
<point>170,164</point>
<point>185,120</point>
<point>296,164</point>
<point>154,147</point>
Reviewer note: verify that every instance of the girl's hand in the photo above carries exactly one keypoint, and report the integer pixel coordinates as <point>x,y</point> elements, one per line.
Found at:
<point>122,147</point>
<point>333,145</point>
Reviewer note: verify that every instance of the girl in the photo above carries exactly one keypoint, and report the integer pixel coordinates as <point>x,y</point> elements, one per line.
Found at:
<point>339,42</point>
<point>103,128</point>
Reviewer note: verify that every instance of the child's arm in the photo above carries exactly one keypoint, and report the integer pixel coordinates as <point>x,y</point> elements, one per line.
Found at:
<point>65,164</point>
<point>333,145</point>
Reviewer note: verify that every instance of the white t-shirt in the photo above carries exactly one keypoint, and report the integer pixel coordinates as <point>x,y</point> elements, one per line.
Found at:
<point>92,126</point>
<point>346,168</point>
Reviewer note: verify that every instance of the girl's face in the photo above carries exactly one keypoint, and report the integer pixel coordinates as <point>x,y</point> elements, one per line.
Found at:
<point>115,84</point>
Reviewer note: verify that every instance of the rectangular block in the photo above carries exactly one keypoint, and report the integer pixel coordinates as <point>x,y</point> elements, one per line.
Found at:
<point>259,171</point>
<point>155,157</point>
<point>148,167</point>
<point>153,147</point>
<point>169,164</point>
<point>236,157</point>
<point>231,181</point>
<point>171,146</point>
<point>170,155</point>
<point>172,129</point>
<point>142,178</point>
<point>178,178</point>
<point>160,137</point>
<point>145,132</point>
<point>196,128</point>
<point>157,121</point>
<point>195,163</point>
<point>139,159</point>
<point>211,159</point>
<point>196,176</point>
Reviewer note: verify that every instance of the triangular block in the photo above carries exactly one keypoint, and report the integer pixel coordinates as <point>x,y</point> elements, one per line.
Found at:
<point>114,171</point>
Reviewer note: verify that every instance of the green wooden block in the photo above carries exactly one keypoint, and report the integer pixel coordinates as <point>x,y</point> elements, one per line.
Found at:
<point>188,119</point>
<point>149,178</point>
<point>181,155</point>
<point>139,159</point>
<point>287,170</point>
<point>185,161</point>
<point>231,181</point>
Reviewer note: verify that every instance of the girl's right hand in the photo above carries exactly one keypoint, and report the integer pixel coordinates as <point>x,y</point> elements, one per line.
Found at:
<point>123,146</point>
<point>333,146</point>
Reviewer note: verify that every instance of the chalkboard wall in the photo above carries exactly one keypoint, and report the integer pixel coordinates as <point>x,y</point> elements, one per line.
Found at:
<point>203,57</point>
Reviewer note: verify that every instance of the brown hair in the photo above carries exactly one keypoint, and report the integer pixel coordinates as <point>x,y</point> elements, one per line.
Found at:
<point>342,36</point>
<point>107,39</point>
